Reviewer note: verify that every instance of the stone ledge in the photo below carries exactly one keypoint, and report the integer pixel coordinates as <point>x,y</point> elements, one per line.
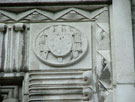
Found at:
<point>11,78</point>
<point>51,2</point>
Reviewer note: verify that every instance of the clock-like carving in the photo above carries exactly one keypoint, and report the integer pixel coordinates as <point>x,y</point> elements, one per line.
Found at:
<point>60,45</point>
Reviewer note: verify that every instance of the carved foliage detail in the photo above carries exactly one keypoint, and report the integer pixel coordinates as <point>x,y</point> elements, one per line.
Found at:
<point>60,45</point>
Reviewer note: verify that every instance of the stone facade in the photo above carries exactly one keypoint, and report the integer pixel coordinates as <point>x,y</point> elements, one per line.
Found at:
<point>133,17</point>
<point>66,51</point>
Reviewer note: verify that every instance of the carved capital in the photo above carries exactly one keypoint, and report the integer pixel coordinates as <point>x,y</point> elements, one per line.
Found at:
<point>2,27</point>
<point>19,27</point>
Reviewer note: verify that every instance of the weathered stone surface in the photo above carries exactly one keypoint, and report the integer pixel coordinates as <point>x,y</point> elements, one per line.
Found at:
<point>122,49</point>
<point>133,2</point>
<point>61,52</point>
<point>123,42</point>
<point>53,1</point>
<point>10,100</point>
<point>125,93</point>
<point>13,49</point>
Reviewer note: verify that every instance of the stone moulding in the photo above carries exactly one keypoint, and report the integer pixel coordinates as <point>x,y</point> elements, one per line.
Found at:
<point>38,15</point>
<point>52,2</point>
<point>75,89</point>
<point>74,80</point>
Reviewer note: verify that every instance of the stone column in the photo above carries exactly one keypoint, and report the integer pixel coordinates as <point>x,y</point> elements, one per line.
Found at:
<point>122,52</point>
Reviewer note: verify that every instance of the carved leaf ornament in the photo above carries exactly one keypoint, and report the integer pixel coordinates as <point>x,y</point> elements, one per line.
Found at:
<point>60,45</point>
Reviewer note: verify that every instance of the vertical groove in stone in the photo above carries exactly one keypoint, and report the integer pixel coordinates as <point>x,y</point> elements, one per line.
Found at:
<point>133,23</point>
<point>27,37</point>
<point>19,45</point>
<point>7,51</point>
<point>25,50</point>
<point>2,32</point>
<point>13,52</point>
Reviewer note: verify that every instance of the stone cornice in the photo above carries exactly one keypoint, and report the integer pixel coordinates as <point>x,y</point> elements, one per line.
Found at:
<point>50,2</point>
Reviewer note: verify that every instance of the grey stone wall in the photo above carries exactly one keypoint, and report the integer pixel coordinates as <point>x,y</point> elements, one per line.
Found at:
<point>133,15</point>
<point>103,71</point>
<point>133,21</point>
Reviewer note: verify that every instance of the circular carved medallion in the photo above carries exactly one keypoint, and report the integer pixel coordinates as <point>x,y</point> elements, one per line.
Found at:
<point>60,45</point>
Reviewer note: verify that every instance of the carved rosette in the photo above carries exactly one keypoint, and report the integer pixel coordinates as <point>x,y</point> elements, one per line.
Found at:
<point>60,45</point>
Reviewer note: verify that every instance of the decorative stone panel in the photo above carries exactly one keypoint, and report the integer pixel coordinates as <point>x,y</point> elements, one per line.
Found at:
<point>66,53</point>
<point>60,45</point>
<point>60,85</point>
<point>13,47</point>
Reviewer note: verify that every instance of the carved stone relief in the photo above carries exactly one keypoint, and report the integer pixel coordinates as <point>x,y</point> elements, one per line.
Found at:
<point>10,93</point>
<point>61,85</point>
<point>37,15</point>
<point>13,54</point>
<point>60,45</point>
<point>62,63</point>
<point>103,59</point>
